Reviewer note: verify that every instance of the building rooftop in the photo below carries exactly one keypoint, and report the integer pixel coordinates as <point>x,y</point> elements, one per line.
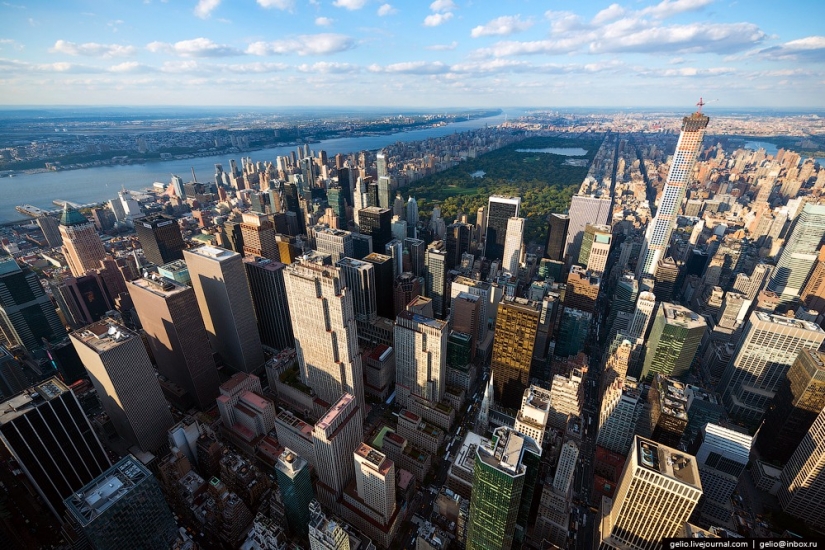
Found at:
<point>103,335</point>
<point>160,286</point>
<point>98,496</point>
<point>736,445</point>
<point>787,321</point>
<point>421,319</point>
<point>667,461</point>
<point>505,451</point>
<point>672,397</point>
<point>682,316</point>
<point>290,463</point>
<point>334,411</point>
<point>175,266</point>
<point>377,459</point>
<point>30,399</point>
<point>71,216</point>
<point>213,252</point>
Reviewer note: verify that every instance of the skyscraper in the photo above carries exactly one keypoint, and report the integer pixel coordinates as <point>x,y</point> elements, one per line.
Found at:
<point>295,486</point>
<point>323,323</point>
<point>421,357</point>
<point>82,246</point>
<point>377,223</point>
<point>266,282</point>
<point>800,252</point>
<point>324,533</point>
<point>800,397</point>
<point>160,238</point>
<point>435,277</point>
<point>622,406</point>
<point>515,336</point>
<point>34,427</point>
<point>220,285</point>
<point>501,486</point>
<point>335,437</point>
<point>335,242</point>
<point>359,278</point>
<point>556,237</point>
<point>534,414</point>
<point>512,245</point>
<point>406,287</point>
<point>657,237</point>
<point>595,248</point>
<point>674,339</point>
<point>375,481</point>
<point>458,240</point>
<point>126,383</point>
<point>656,494</point>
<point>51,230</point>
<point>384,274</point>
<point>766,350</point>
<point>584,209</point>
<point>123,508</point>
<point>170,317</point>
<point>27,316</point>
<point>721,455</point>
<point>802,483</point>
<point>499,211</point>
<point>259,236</point>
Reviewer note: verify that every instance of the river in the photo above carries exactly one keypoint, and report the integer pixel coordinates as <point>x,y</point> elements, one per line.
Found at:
<point>101,183</point>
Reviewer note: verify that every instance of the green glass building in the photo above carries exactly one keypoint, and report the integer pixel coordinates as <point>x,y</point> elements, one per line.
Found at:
<point>674,339</point>
<point>296,491</point>
<point>504,480</point>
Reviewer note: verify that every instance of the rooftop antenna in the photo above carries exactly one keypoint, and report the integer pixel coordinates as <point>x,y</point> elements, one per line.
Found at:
<point>700,104</point>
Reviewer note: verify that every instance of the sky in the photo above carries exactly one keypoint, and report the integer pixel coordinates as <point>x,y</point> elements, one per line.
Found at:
<point>414,53</point>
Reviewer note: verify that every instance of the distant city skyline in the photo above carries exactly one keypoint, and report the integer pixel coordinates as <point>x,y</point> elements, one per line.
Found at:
<point>445,53</point>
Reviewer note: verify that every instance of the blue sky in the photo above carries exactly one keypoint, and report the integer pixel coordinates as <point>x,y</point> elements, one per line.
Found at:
<point>444,53</point>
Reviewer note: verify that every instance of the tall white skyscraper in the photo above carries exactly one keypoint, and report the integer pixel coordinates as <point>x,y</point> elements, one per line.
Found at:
<point>722,455</point>
<point>657,237</point>
<point>800,252</point>
<point>645,306</point>
<point>591,208</point>
<point>534,414</point>
<point>221,287</point>
<point>622,406</point>
<point>420,357</point>
<point>765,352</point>
<point>324,533</point>
<point>375,480</point>
<point>512,245</point>
<point>335,438</point>
<point>566,467</point>
<point>323,322</point>
<point>656,494</point>
<point>803,483</point>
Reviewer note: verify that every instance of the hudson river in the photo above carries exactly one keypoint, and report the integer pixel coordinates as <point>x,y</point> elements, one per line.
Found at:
<point>101,183</point>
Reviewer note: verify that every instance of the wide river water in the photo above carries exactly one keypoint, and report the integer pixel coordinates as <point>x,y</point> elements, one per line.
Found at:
<point>101,183</point>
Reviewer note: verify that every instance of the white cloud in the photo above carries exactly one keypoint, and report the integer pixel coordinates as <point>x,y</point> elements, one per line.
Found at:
<point>11,42</point>
<point>257,67</point>
<point>502,26</point>
<point>197,47</point>
<point>325,67</point>
<point>350,4</point>
<point>284,5</point>
<point>437,19</point>
<point>182,67</point>
<point>308,44</point>
<point>669,8</point>
<point>386,9</point>
<point>610,13</point>
<point>323,21</point>
<point>411,67</point>
<point>92,49</point>
<point>442,47</point>
<point>811,48</point>
<point>442,6</point>
<point>130,67</point>
<point>205,8</point>
<point>695,37</point>
<point>564,21</point>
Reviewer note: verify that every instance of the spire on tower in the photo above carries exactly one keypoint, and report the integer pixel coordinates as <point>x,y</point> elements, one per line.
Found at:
<point>700,104</point>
